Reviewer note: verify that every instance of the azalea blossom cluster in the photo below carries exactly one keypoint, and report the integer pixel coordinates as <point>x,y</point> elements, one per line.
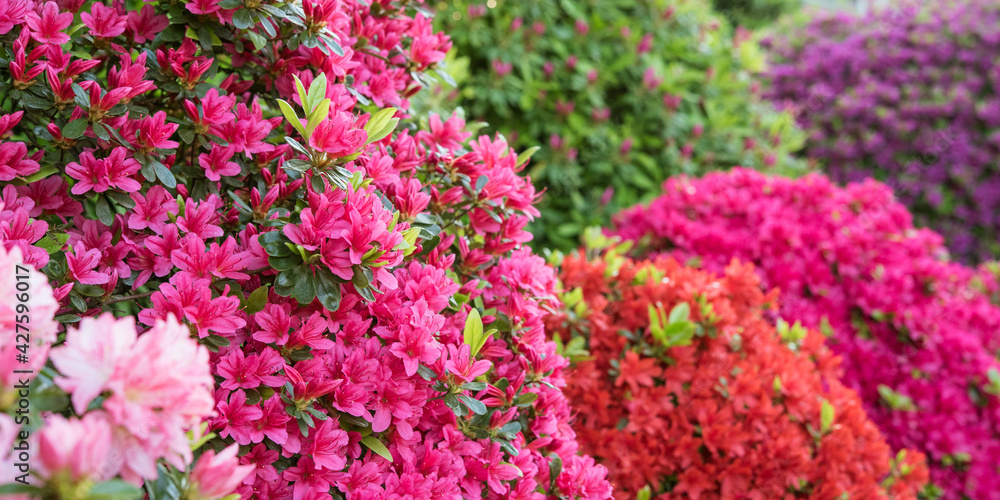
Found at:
<point>906,95</point>
<point>918,334</point>
<point>690,390</point>
<point>617,96</point>
<point>318,300</point>
<point>135,400</point>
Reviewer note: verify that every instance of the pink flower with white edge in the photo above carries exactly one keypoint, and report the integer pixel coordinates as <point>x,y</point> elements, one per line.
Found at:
<point>159,386</point>
<point>75,450</point>
<point>20,281</point>
<point>217,475</point>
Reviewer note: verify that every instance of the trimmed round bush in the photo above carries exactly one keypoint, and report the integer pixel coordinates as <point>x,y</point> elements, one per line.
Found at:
<point>692,390</point>
<point>918,336</point>
<point>618,96</point>
<point>908,96</point>
<point>266,280</point>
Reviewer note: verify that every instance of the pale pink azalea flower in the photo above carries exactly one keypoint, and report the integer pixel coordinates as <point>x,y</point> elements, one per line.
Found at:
<point>79,447</point>
<point>41,329</point>
<point>217,475</point>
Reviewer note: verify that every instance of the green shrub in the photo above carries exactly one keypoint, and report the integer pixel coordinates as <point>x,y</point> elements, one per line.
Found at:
<point>619,95</point>
<point>754,14</point>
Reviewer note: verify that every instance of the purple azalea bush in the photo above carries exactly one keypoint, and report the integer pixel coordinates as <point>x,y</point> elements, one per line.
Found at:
<point>909,95</point>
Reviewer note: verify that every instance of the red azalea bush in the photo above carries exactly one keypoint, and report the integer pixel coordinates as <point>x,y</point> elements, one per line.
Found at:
<point>918,335</point>
<point>692,390</point>
<point>327,307</point>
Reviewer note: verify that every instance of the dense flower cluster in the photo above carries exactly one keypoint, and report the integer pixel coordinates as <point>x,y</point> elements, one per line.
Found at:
<point>344,298</point>
<point>907,95</point>
<point>618,96</point>
<point>691,390</point>
<point>916,332</point>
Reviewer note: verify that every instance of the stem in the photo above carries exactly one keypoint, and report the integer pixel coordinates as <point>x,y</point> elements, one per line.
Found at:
<point>131,297</point>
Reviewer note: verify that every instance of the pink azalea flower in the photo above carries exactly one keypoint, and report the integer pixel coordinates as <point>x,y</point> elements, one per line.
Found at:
<point>217,475</point>
<point>48,27</point>
<point>217,163</point>
<point>81,263</point>
<point>14,161</point>
<point>145,24</point>
<point>152,210</point>
<point>77,447</point>
<point>12,13</point>
<point>337,135</point>
<point>104,21</point>
<point>155,132</point>
<point>329,446</point>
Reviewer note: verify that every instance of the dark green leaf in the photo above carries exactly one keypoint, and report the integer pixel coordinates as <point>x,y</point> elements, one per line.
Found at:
<point>104,212</point>
<point>88,290</point>
<point>477,406</point>
<point>242,19</point>
<point>285,263</point>
<point>101,131</point>
<point>75,128</point>
<point>327,290</point>
<point>164,174</point>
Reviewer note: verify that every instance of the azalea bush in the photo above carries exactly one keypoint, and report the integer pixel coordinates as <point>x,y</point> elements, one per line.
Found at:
<point>694,388</point>
<point>619,95</point>
<point>908,96</point>
<point>918,334</point>
<point>266,280</point>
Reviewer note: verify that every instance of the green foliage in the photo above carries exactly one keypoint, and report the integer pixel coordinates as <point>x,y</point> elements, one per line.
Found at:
<point>754,14</point>
<point>685,105</point>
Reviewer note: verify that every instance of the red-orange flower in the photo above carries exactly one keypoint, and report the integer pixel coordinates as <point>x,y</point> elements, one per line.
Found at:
<point>737,413</point>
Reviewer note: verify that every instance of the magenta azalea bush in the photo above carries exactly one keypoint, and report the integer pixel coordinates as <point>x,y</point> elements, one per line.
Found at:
<point>256,280</point>
<point>917,335</point>
<point>907,95</point>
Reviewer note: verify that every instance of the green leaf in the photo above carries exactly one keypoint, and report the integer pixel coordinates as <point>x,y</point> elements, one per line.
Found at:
<point>304,290</point>
<point>555,468</point>
<point>35,102</point>
<point>101,131</point>
<point>286,109</point>
<point>164,174</point>
<point>372,443</point>
<point>88,290</point>
<point>301,89</point>
<point>320,113</point>
<point>680,312</point>
<point>274,243</point>
<point>526,155</point>
<point>473,333</point>
<point>380,125</point>
<point>242,19</point>
<point>284,263</point>
<point>317,91</point>
<point>257,300</point>
<point>82,97</point>
<point>526,398</point>
<point>115,489</point>
<point>826,413</point>
<point>16,488</point>
<point>104,212</point>
<point>477,406</point>
<point>75,128</point>
<point>42,173</point>
<point>259,41</point>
